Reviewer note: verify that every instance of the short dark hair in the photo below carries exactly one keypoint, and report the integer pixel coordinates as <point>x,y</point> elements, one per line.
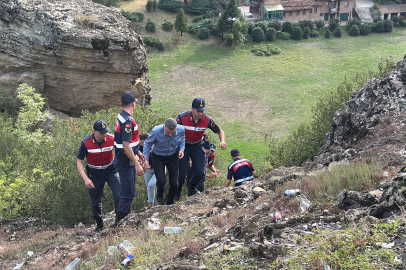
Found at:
<point>235,152</point>
<point>144,136</point>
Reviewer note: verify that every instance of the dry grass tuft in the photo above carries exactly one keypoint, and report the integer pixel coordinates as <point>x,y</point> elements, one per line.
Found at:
<point>196,244</point>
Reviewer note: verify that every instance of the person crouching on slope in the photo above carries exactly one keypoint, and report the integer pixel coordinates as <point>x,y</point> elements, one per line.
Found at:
<point>241,169</point>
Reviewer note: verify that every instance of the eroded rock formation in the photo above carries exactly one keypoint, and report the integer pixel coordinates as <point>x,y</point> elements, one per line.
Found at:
<point>86,52</point>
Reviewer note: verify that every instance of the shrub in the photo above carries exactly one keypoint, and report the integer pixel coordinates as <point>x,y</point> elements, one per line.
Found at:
<point>261,24</point>
<point>150,5</point>
<point>314,33</point>
<point>327,34</point>
<point>150,26</point>
<point>267,50</point>
<point>151,41</point>
<point>154,5</point>
<point>337,32</point>
<point>257,34</point>
<point>377,19</point>
<point>306,32</point>
<point>387,26</point>
<point>208,23</point>
<point>283,36</point>
<point>204,33</point>
<point>250,27</point>
<point>402,23</point>
<point>161,46</point>
<point>270,34</point>
<point>230,38</point>
<point>133,16</point>
<point>378,27</point>
<point>306,23</point>
<point>354,31</point>
<point>172,5</point>
<point>333,24</point>
<point>319,24</point>
<point>395,19</point>
<point>277,25</point>
<point>181,22</point>
<point>201,7</point>
<point>297,33</point>
<point>198,18</point>
<point>167,26</point>
<point>352,22</point>
<point>365,29</point>
<point>287,27</point>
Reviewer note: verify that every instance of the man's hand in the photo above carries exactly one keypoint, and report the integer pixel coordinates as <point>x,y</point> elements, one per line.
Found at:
<point>139,170</point>
<point>217,173</point>
<point>223,145</point>
<point>141,156</point>
<point>146,165</point>
<point>88,183</point>
<point>181,154</point>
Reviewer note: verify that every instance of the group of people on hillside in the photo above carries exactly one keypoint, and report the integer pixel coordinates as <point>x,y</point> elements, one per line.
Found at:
<point>180,148</point>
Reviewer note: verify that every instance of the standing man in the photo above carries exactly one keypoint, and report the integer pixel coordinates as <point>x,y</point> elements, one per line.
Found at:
<point>126,142</point>
<point>168,146</point>
<point>98,151</point>
<point>241,169</point>
<point>196,122</point>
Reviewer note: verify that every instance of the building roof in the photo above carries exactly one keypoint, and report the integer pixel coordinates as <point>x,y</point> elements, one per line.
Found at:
<point>386,9</point>
<point>270,8</point>
<point>300,5</point>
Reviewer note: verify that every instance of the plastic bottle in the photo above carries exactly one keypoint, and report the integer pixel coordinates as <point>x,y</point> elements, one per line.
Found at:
<point>173,230</point>
<point>278,217</point>
<point>74,264</point>
<point>290,193</point>
<point>127,260</point>
<point>126,246</point>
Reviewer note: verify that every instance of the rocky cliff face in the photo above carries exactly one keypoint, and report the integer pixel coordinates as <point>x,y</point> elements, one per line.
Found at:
<point>86,52</point>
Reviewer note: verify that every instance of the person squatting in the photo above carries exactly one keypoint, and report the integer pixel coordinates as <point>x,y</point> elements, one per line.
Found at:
<point>179,146</point>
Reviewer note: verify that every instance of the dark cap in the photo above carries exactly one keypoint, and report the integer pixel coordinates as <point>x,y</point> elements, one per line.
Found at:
<point>212,147</point>
<point>235,152</point>
<point>199,104</point>
<point>128,98</point>
<point>101,127</point>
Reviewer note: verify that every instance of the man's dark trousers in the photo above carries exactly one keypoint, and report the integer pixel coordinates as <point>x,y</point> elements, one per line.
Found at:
<point>96,193</point>
<point>172,164</point>
<point>198,156</point>
<point>127,181</point>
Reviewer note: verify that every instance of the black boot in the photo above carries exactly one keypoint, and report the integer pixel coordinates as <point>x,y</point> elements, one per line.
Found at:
<point>118,221</point>
<point>100,225</point>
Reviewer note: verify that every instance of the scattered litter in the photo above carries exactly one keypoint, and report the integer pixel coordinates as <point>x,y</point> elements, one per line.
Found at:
<point>126,246</point>
<point>74,264</point>
<point>278,217</point>
<point>1,248</point>
<point>290,193</point>
<point>154,224</point>
<point>127,260</point>
<point>30,253</point>
<point>261,206</point>
<point>18,266</point>
<point>112,250</point>
<point>304,202</point>
<point>228,248</point>
<point>173,230</point>
<point>385,245</point>
<point>212,246</point>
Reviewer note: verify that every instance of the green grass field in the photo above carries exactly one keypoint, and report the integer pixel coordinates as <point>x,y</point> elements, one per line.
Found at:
<point>248,95</point>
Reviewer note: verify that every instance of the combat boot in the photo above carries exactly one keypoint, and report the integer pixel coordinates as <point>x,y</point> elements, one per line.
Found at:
<point>100,225</point>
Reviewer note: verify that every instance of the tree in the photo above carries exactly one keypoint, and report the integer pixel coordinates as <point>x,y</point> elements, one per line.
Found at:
<point>333,24</point>
<point>150,5</point>
<point>327,34</point>
<point>257,34</point>
<point>387,26</point>
<point>297,33</point>
<point>337,32</point>
<point>365,29</point>
<point>180,22</point>
<point>306,32</point>
<point>354,31</point>
<point>223,23</point>
<point>270,34</point>
<point>287,27</point>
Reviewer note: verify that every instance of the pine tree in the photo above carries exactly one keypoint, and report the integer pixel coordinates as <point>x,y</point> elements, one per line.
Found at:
<point>180,23</point>
<point>231,11</point>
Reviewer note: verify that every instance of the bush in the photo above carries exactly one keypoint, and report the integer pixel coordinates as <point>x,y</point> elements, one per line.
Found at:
<point>365,29</point>
<point>337,32</point>
<point>250,27</point>
<point>395,19</point>
<point>387,26</point>
<point>208,23</point>
<point>378,27</point>
<point>230,38</point>
<point>172,5</point>
<point>319,24</point>
<point>161,46</point>
<point>198,18</point>
<point>133,16</point>
<point>306,32</point>
<point>150,5</point>
<point>352,22</point>
<point>402,23</point>
<point>151,41</point>
<point>354,31</point>
<point>306,23</point>
<point>270,34</point>
<point>267,50</point>
<point>287,27</point>
<point>297,33</point>
<point>314,33</point>
<point>377,19</point>
<point>283,36</point>
<point>201,7</point>
<point>204,33</point>
<point>167,26</point>
<point>257,34</point>
<point>261,24</point>
<point>150,26</point>
<point>327,34</point>
<point>277,25</point>
<point>333,24</point>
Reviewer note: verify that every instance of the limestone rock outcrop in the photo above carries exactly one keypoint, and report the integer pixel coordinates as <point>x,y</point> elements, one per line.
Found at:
<point>87,53</point>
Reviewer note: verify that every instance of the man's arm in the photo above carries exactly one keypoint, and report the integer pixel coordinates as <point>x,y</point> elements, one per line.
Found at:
<point>254,173</point>
<point>222,138</point>
<point>216,173</point>
<point>81,169</point>
<point>147,146</point>
<point>133,158</point>
<point>227,183</point>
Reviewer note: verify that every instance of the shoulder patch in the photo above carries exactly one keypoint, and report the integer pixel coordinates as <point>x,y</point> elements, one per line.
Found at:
<point>128,126</point>
<point>213,124</point>
<point>128,130</point>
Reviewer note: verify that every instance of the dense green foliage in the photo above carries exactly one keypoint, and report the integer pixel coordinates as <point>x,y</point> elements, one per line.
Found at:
<point>167,26</point>
<point>151,41</point>
<point>297,33</point>
<point>229,39</point>
<point>150,5</point>
<point>261,24</point>
<point>352,22</point>
<point>378,27</point>
<point>108,3</point>
<point>354,31</point>
<point>232,11</point>
<point>270,34</point>
<point>333,24</point>
<point>206,15</point>
<point>277,25</point>
<point>283,36</point>
<point>306,23</point>
<point>180,22</point>
<point>207,23</point>
<point>150,26</point>
<point>201,7</point>
<point>257,34</point>
<point>365,29</point>
<point>267,50</point>
<point>319,24</point>
<point>204,33</point>
<point>287,27</point>
<point>327,34</point>
<point>387,26</point>
<point>133,16</point>
<point>306,32</point>
<point>172,5</point>
<point>314,33</point>
<point>161,46</point>
<point>308,138</point>
<point>38,174</point>
<point>337,32</point>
